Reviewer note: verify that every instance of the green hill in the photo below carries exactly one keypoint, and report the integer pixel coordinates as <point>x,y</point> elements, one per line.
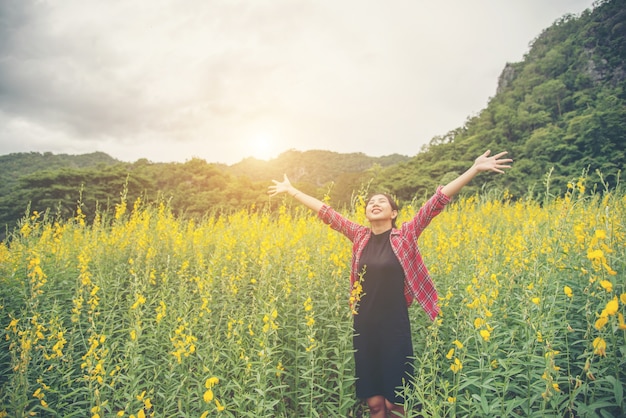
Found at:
<point>562,108</point>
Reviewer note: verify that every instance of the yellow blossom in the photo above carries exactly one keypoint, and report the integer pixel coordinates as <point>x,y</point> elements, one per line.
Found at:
<point>568,291</point>
<point>208,396</point>
<point>607,285</point>
<point>612,306</point>
<point>456,366</point>
<point>599,346</point>
<point>595,255</point>
<point>485,334</point>
<point>139,300</point>
<point>219,406</point>
<point>601,322</point>
<point>211,381</point>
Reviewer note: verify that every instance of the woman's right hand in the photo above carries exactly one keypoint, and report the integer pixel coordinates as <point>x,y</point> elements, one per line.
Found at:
<point>280,186</point>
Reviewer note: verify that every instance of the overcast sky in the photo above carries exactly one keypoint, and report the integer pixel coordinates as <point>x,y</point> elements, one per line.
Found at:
<point>170,80</point>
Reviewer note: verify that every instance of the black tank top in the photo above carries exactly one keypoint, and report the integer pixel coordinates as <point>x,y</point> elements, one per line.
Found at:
<point>383,302</point>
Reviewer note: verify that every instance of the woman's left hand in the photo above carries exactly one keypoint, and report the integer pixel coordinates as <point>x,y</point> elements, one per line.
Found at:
<point>495,163</point>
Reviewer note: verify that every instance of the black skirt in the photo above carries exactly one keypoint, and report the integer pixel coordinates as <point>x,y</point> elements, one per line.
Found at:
<point>382,332</point>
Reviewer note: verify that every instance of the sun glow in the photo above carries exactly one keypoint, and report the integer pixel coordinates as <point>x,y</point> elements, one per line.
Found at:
<point>262,146</point>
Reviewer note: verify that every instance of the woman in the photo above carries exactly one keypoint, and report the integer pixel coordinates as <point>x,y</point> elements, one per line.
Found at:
<point>387,263</point>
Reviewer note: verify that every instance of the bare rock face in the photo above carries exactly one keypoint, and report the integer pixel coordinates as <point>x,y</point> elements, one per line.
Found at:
<point>506,77</point>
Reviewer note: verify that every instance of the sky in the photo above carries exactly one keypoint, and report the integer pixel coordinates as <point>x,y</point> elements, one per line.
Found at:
<point>223,80</point>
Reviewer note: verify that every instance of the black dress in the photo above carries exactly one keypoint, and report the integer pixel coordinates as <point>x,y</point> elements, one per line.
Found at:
<point>382,332</point>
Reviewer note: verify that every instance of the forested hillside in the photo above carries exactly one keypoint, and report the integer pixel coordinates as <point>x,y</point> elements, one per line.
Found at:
<point>561,110</point>
<point>59,183</point>
<point>14,166</point>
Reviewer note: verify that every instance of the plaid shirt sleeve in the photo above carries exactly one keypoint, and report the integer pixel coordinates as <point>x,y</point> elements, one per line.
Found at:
<point>418,283</point>
<point>339,223</point>
<point>355,232</point>
<point>431,208</point>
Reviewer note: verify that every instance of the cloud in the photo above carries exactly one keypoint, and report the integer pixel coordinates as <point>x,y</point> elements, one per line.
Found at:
<point>169,80</point>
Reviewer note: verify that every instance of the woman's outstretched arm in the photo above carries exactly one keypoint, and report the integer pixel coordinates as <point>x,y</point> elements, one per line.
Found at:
<point>482,163</point>
<point>286,187</point>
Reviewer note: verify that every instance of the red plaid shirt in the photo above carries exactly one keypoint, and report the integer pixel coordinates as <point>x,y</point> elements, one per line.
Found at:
<point>417,284</point>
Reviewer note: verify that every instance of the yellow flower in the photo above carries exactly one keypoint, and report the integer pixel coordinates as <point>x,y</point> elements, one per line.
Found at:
<point>485,334</point>
<point>140,300</point>
<point>595,255</point>
<point>450,354</point>
<point>204,414</point>
<point>612,306</point>
<point>160,311</point>
<point>535,301</point>
<point>458,344</point>
<point>451,399</point>
<point>211,381</point>
<point>599,346</point>
<point>620,318</point>
<point>622,297</point>
<point>456,366</point>
<point>601,322</point>
<point>308,305</point>
<point>219,406</point>
<point>568,291</point>
<point>208,396</point>
<point>607,285</point>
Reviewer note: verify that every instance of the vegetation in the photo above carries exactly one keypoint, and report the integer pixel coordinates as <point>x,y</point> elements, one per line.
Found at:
<point>147,314</point>
<point>193,189</point>
<point>562,108</point>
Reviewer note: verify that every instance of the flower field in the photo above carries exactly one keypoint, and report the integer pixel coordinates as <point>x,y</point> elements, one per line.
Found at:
<point>146,314</point>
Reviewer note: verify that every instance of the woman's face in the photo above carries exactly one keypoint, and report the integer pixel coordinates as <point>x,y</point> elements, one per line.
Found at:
<point>379,209</point>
